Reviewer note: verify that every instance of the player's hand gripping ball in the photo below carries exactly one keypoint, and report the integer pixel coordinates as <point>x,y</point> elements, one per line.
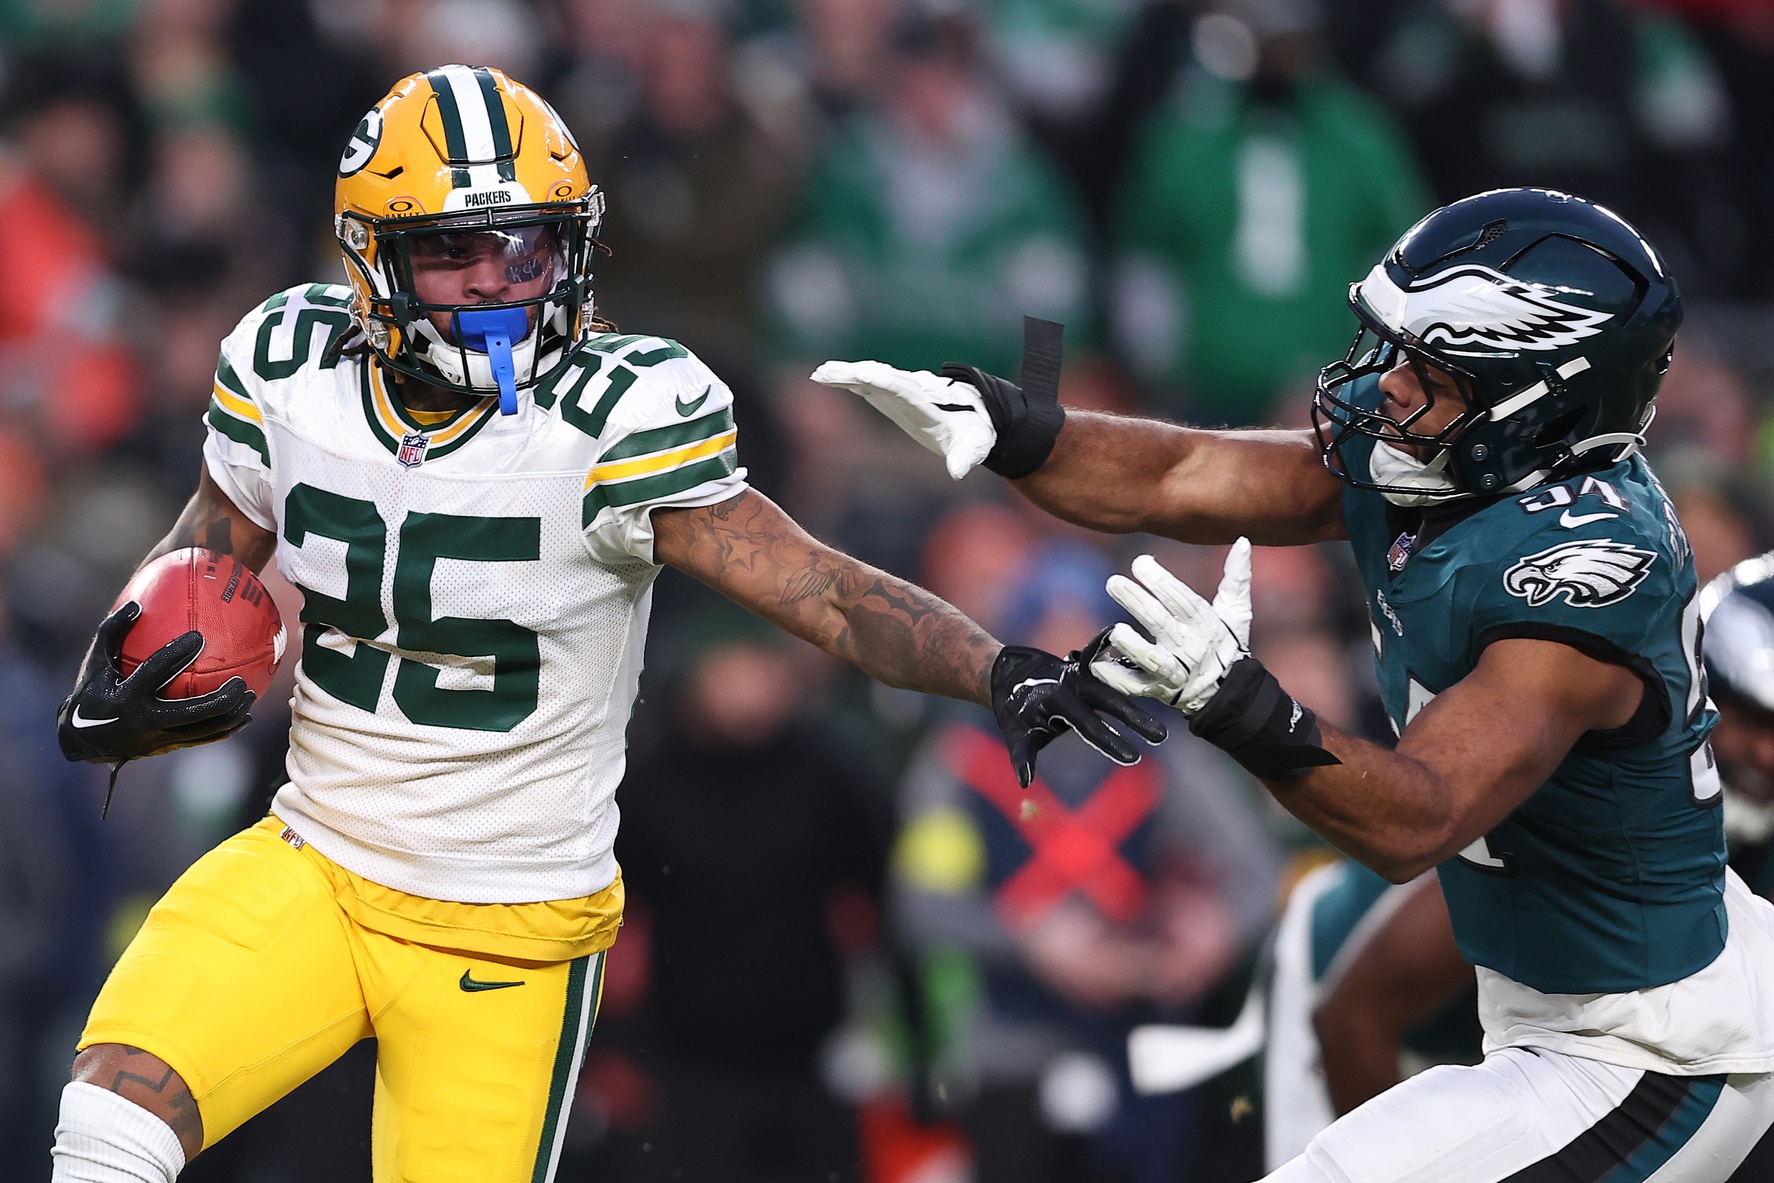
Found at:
<point>195,638</point>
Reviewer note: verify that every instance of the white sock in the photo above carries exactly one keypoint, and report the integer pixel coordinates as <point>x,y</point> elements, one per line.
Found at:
<point>103,1138</point>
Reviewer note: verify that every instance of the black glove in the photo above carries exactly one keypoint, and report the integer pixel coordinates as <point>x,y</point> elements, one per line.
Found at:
<point>110,718</point>
<point>1037,697</point>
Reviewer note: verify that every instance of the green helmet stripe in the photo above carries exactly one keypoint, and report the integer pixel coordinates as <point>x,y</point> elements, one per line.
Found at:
<point>502,145</point>
<point>455,143</point>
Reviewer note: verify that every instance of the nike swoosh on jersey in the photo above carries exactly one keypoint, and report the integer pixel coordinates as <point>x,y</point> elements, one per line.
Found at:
<point>690,408</point>
<point>78,720</point>
<point>1028,682</point>
<point>1583,519</point>
<point>471,986</point>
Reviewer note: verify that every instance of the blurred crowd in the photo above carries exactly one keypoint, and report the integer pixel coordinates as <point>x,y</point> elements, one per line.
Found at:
<point>855,950</point>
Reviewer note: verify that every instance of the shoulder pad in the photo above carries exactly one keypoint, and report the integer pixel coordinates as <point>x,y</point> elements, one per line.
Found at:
<point>629,381</point>
<point>297,327</point>
<point>1590,541</point>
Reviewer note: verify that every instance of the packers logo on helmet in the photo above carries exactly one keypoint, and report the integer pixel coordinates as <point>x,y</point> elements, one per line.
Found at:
<point>463,192</point>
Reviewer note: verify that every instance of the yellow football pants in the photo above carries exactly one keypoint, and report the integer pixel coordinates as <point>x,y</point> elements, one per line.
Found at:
<point>248,978</point>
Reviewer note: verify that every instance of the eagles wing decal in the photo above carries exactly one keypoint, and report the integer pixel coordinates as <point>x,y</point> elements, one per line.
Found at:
<point>1587,574</point>
<point>1476,307</point>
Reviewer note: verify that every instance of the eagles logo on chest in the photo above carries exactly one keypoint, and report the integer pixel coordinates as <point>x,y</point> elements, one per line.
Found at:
<point>1588,574</point>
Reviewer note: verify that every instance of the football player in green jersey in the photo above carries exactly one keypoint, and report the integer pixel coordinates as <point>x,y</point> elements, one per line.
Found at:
<point>1536,632</point>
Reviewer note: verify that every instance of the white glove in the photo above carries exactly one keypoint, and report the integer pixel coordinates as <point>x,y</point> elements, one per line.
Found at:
<point>1194,642</point>
<point>945,416</point>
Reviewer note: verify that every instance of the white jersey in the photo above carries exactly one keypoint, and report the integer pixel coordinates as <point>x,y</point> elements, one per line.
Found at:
<point>475,593</point>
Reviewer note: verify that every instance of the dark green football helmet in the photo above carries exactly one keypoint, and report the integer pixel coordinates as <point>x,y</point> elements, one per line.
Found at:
<point>1554,318</point>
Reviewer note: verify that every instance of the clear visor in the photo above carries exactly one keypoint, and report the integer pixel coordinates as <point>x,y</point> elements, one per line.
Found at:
<point>507,265</point>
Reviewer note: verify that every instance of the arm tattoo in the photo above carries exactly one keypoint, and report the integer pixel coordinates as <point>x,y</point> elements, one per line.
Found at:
<point>210,520</point>
<point>175,1105</point>
<point>220,536</point>
<point>894,631</point>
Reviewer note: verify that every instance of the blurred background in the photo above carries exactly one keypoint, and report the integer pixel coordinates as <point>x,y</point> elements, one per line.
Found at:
<point>853,953</point>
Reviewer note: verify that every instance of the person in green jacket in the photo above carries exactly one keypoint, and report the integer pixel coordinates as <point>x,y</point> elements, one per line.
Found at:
<point>1253,199</point>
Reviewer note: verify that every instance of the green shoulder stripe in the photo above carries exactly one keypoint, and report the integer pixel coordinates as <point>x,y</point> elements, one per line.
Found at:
<point>660,439</point>
<point>642,358</point>
<point>615,343</point>
<point>229,380</point>
<point>239,430</point>
<point>653,488</point>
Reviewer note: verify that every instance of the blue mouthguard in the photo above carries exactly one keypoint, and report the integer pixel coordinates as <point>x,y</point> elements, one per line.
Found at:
<point>492,331</point>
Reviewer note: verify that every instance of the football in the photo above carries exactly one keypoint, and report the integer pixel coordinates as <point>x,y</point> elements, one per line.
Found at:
<point>216,595</point>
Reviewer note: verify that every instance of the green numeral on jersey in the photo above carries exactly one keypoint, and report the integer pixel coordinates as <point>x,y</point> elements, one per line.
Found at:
<point>338,323</point>
<point>424,539</point>
<point>517,660</point>
<point>355,678</point>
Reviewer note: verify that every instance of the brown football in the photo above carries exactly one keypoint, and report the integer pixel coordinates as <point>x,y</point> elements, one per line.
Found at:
<point>221,599</point>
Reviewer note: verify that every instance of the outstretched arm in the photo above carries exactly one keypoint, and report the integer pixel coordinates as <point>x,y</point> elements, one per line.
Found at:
<point>1120,475</point>
<point>896,632</point>
<point>1467,760</point>
<point>1463,763</point>
<point>1107,472</point>
<point>747,549</point>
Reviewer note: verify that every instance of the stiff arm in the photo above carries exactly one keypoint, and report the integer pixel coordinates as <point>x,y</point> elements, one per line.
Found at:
<point>1121,475</point>
<point>753,553</point>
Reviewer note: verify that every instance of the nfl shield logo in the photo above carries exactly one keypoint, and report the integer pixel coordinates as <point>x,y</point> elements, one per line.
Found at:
<point>412,449</point>
<point>1396,558</point>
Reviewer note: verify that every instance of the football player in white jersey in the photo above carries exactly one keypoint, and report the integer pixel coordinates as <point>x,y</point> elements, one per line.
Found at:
<point>474,482</point>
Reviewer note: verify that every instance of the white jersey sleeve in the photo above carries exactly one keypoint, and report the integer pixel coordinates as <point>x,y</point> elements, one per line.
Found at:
<point>236,447</point>
<point>669,441</point>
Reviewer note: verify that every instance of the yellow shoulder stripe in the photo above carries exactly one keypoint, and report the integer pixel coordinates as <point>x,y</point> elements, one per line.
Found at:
<point>237,406</point>
<point>624,469</point>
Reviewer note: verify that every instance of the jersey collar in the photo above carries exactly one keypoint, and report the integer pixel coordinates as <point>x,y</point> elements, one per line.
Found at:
<point>389,421</point>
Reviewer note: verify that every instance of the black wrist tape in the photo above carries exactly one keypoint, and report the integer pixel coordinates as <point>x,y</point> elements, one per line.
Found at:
<point>1253,720</point>
<point>1026,428</point>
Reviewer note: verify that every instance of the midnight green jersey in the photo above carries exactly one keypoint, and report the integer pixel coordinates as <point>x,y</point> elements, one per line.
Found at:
<point>1610,877</point>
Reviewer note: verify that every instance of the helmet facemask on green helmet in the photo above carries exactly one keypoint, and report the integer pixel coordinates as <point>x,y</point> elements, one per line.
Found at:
<point>1546,319</point>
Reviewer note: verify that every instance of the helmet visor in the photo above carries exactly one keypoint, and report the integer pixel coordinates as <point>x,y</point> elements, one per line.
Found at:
<point>505,265</point>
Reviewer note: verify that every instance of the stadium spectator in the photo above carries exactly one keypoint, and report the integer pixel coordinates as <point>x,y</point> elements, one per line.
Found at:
<point>1607,100</point>
<point>739,831</point>
<point>931,226</point>
<point>65,368</point>
<point>697,186</point>
<point>1098,896</point>
<point>1251,202</point>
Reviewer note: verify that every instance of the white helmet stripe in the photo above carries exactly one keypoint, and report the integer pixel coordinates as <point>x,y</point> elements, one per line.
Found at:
<point>471,105</point>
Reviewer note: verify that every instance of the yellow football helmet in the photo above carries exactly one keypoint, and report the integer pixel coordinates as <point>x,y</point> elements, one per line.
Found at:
<point>462,162</point>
